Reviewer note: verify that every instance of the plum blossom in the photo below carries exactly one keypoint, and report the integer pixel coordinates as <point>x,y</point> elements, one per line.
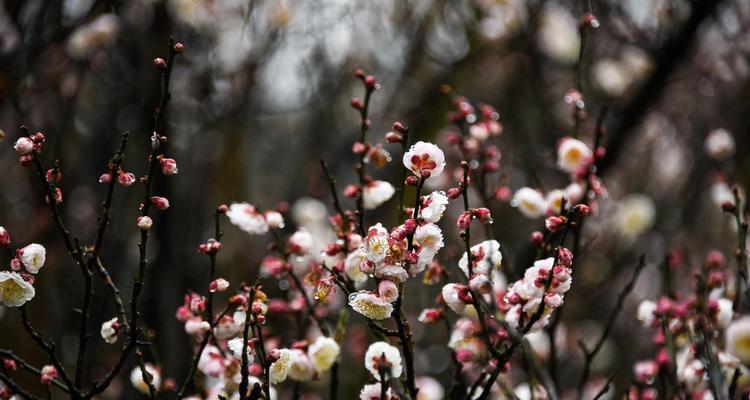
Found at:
<point>376,193</point>
<point>301,368</point>
<point>375,244</point>
<point>280,368</point>
<point>246,217</point>
<point>424,158</point>
<point>14,290</point>
<point>226,328</point>
<point>392,359</point>
<point>235,346</point>
<point>433,207</point>
<point>536,289</point>
<point>485,257</point>
<point>109,331</point>
<point>323,352</point>
<point>24,146</point>
<point>388,290</point>
<point>430,240</point>
<point>452,295</point>
<point>212,362</point>
<point>370,305</point>
<point>645,312</point>
<point>573,154</point>
<point>635,215</point>
<point>351,266</point>
<point>737,336</point>
<point>529,202</point>
<point>33,257</point>
<point>138,381</point>
<point>719,144</point>
<point>372,392</point>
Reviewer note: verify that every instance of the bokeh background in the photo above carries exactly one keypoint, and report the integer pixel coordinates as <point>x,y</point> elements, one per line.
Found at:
<point>262,93</point>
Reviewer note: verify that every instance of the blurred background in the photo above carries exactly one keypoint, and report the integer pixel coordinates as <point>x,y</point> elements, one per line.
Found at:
<point>262,93</point>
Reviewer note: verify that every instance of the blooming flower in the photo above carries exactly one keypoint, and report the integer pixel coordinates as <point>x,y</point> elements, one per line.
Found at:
<point>212,362</point>
<point>738,339</point>
<point>645,313</point>
<point>372,392</point>
<point>433,207</point>
<point>375,244</point>
<point>376,193</point>
<point>33,257</point>
<point>109,331</point>
<point>636,214</point>
<point>430,239</point>
<point>451,293</point>
<point>392,359</point>
<point>226,328</point>
<point>301,242</point>
<point>235,346</point>
<point>280,368</point>
<point>24,146</point>
<point>246,217</point>
<point>370,305</point>
<point>573,154</point>
<point>424,157</point>
<point>14,290</point>
<point>301,368</point>
<point>323,353</point>
<point>138,381</point>
<point>351,266</point>
<point>388,290</point>
<point>485,257</point>
<point>529,202</point>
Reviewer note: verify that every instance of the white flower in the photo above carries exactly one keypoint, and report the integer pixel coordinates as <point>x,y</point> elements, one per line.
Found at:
<point>24,146</point>
<point>558,34</point>
<point>635,215</point>
<point>280,368</point>
<point>235,346</point>
<point>530,202</point>
<point>14,290</point>
<point>376,193</point>
<point>212,362</point>
<point>719,144</point>
<point>138,381</point>
<point>573,154</point>
<point>33,257</point>
<point>109,331</point>
<point>391,272</point>
<point>370,305</point>
<point>430,239</point>
<point>450,295</point>
<point>429,388</point>
<point>372,392</point>
<point>486,257</point>
<point>433,206</point>
<point>226,328</point>
<point>424,157</point>
<point>301,242</point>
<point>375,244</point>
<point>392,359</point>
<point>274,219</point>
<point>246,217</point>
<point>300,368</point>
<point>724,317</point>
<point>612,76</point>
<point>738,339</point>
<point>323,353</point>
<point>646,313</point>
<point>721,193</point>
<point>351,266</point>
<point>555,201</point>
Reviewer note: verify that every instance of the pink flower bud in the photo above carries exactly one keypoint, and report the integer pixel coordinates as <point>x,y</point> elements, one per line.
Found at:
<point>554,223</point>
<point>126,179</point>
<point>425,173</point>
<point>179,47</point>
<point>430,315</point>
<point>218,285</point>
<point>351,191</point>
<point>537,238</point>
<point>728,206</point>
<point>9,364</point>
<point>4,237</point>
<point>583,209</point>
<point>464,220</point>
<point>714,260</point>
<point>399,127</point>
<point>222,209</point>
<point>53,177</point>
<point>257,308</point>
<point>359,148</point>
<point>160,63</point>
<point>356,103</point>
<point>144,222</point>
<point>454,193</point>
<point>410,225</point>
<point>412,258</point>
<point>38,138</point>
<point>411,180</point>
<point>105,178</point>
<point>16,264</point>
<point>388,290</point>
<point>25,161</point>
<point>161,203</point>
<point>565,257</point>
<point>49,374</point>
<point>483,214</point>
<point>393,137</point>
<point>370,82</point>
<point>168,166</point>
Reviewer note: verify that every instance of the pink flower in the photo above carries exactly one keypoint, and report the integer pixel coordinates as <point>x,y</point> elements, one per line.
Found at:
<point>49,374</point>
<point>161,203</point>
<point>126,179</point>
<point>168,166</point>
<point>24,146</point>
<point>424,159</point>
<point>388,290</point>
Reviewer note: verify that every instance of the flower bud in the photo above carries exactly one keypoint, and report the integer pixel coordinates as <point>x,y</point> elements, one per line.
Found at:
<point>218,285</point>
<point>105,178</point>
<point>126,179</point>
<point>179,47</point>
<point>728,206</point>
<point>370,82</point>
<point>464,220</point>
<point>411,180</point>
<point>454,193</point>
<point>483,214</point>
<point>160,63</point>
<point>554,223</point>
<point>4,237</point>
<point>393,137</point>
<point>399,127</point>
<point>49,374</point>
<point>356,103</point>
<point>410,225</point>
<point>351,191</point>
<point>168,166</point>
<point>144,222</point>
<point>9,364</point>
<point>161,203</point>
<point>222,209</point>
<point>24,146</point>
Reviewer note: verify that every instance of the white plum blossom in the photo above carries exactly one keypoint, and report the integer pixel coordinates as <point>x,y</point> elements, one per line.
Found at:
<point>719,144</point>
<point>555,200</point>
<point>372,392</point>
<point>737,337</point>
<point>429,388</point>
<point>527,294</point>
<point>323,352</point>
<point>33,257</point>
<point>433,206</point>
<point>635,215</point>
<point>558,35</point>
<point>725,314</point>
<point>235,346</point>
<point>110,330</point>
<point>246,217</point>
<point>529,202</point>
<point>395,273</point>
<point>645,313</point>
<point>226,328</point>
<point>392,359</point>
<point>424,157</point>
<point>430,239</point>
<point>486,257</point>
<point>212,362</point>
<point>376,193</point>
<point>274,219</point>
<point>351,266</point>
<point>370,305</point>
<point>14,290</point>
<point>300,368</point>
<point>450,294</point>
<point>280,368</point>
<point>138,381</point>
<point>573,154</point>
<point>301,242</point>
<point>375,244</point>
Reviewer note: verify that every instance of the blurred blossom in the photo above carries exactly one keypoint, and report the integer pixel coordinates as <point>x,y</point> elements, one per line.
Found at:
<point>501,19</point>
<point>558,34</point>
<point>97,35</point>
<point>636,214</point>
